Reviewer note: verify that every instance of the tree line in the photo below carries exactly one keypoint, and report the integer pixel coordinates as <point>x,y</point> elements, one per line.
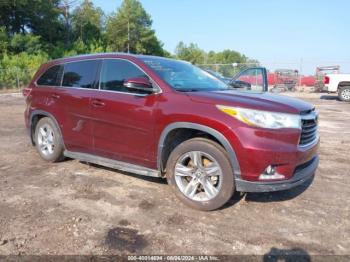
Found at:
<point>33,32</point>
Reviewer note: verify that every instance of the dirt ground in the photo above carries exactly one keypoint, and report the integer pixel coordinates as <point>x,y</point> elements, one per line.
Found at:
<point>75,208</point>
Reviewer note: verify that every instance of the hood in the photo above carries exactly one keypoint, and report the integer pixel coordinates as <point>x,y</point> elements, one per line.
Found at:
<point>259,101</point>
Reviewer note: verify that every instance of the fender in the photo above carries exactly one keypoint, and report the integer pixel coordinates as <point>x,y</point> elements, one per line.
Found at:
<point>41,112</point>
<point>343,83</point>
<point>220,137</point>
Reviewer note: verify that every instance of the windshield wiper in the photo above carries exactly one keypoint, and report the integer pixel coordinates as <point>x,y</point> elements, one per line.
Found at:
<point>188,90</point>
<point>201,89</point>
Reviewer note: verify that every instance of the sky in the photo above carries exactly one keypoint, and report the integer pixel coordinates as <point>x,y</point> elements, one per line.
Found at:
<point>279,33</point>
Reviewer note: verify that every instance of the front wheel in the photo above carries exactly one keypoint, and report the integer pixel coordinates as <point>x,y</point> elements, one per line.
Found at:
<point>344,93</point>
<point>200,173</point>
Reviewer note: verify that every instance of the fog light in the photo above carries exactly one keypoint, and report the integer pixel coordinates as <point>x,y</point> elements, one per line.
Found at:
<point>270,173</point>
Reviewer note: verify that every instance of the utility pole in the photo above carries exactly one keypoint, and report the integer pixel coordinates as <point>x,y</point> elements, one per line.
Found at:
<point>66,4</point>
<point>300,70</point>
<point>128,27</point>
<point>128,35</point>
<point>67,22</point>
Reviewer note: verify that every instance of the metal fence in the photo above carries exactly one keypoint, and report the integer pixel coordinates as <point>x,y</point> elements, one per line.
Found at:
<point>227,70</point>
<point>304,75</point>
<point>308,75</point>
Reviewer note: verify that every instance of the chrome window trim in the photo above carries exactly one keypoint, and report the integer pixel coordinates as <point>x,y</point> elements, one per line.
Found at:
<point>98,90</point>
<point>160,91</point>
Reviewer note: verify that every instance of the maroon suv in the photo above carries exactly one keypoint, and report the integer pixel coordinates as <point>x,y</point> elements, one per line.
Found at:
<point>166,118</point>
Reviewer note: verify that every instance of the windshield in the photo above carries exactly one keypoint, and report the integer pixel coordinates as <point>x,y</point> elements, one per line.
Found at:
<point>217,74</point>
<point>183,76</point>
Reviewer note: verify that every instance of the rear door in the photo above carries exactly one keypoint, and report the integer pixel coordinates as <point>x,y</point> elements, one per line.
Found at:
<point>79,85</point>
<point>46,94</point>
<point>47,90</point>
<point>123,120</point>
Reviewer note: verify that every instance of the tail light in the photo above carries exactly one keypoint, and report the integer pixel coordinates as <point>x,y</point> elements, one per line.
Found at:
<point>326,80</point>
<point>26,91</point>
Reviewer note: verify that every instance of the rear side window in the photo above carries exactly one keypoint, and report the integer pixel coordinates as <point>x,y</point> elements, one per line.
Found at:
<point>115,71</point>
<point>52,76</point>
<point>80,74</point>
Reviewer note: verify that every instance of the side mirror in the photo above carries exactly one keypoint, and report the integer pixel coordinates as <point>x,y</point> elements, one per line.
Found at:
<point>240,84</point>
<point>139,84</point>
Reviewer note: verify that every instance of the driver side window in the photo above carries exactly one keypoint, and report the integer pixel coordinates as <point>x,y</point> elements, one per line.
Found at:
<point>115,72</point>
<point>254,79</point>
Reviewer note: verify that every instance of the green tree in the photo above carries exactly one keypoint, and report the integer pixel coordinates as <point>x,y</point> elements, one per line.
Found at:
<point>229,57</point>
<point>40,17</point>
<point>191,53</point>
<point>33,31</point>
<point>217,61</point>
<point>25,43</point>
<point>19,68</point>
<point>3,41</point>
<point>87,22</point>
<point>129,30</point>
<point>79,47</point>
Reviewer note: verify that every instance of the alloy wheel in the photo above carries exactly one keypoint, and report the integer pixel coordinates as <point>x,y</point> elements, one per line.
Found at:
<point>345,94</point>
<point>198,176</point>
<point>46,140</point>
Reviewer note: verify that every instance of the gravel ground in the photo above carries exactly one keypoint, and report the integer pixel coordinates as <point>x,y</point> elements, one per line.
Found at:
<point>76,208</point>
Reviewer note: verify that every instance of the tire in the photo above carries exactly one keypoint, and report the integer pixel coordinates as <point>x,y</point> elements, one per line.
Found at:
<point>193,180</point>
<point>344,93</point>
<point>48,140</point>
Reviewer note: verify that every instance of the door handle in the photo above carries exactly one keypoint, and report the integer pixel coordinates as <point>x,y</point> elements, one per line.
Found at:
<point>97,103</point>
<point>55,96</point>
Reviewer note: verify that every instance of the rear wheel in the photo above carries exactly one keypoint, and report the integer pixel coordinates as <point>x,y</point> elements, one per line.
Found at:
<point>200,173</point>
<point>48,140</point>
<point>344,93</point>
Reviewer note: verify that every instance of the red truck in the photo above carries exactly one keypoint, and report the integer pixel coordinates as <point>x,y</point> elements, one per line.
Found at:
<point>167,118</point>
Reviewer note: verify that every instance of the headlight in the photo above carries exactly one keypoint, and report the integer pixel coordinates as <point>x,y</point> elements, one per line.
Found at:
<point>264,119</point>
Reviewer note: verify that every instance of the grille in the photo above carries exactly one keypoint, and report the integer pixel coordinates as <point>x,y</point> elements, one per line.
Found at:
<point>308,129</point>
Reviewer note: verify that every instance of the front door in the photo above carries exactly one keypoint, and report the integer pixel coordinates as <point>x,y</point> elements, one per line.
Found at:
<point>253,78</point>
<point>123,120</point>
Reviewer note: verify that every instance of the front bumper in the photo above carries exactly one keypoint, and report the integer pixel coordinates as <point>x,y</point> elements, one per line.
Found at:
<point>300,176</point>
